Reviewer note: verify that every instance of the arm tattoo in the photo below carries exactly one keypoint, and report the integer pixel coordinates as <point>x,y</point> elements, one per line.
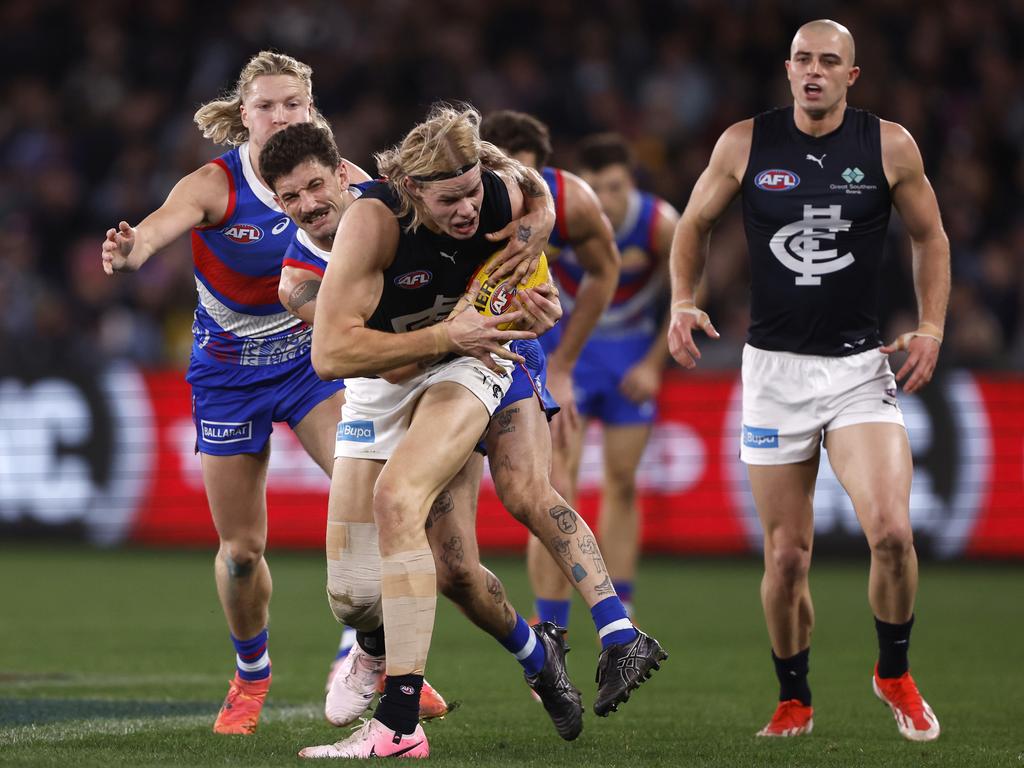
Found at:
<point>453,553</point>
<point>523,233</point>
<point>303,294</point>
<point>588,546</point>
<point>530,187</point>
<point>578,572</point>
<point>605,587</point>
<point>442,505</point>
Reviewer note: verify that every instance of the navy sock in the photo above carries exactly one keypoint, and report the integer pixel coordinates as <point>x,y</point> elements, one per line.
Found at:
<point>523,644</point>
<point>399,706</point>
<point>372,642</point>
<point>252,659</point>
<point>792,674</point>
<point>893,645</point>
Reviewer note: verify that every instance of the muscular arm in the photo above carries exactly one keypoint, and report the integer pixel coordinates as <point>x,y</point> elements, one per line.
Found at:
<point>593,241</point>
<point>342,344</point>
<point>711,195</point>
<point>199,198</point>
<point>914,199</point>
<point>297,291</point>
<point>343,347</point>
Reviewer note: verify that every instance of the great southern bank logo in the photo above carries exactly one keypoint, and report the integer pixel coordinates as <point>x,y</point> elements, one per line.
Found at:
<point>356,431</point>
<point>760,437</point>
<point>776,180</point>
<point>798,245</point>
<point>853,175</point>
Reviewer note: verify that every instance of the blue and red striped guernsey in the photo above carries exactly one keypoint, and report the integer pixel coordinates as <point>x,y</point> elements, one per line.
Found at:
<point>633,308</point>
<point>237,265</point>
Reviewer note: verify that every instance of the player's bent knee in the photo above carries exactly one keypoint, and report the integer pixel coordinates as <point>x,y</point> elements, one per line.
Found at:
<point>894,542</point>
<point>242,556</point>
<point>354,574</point>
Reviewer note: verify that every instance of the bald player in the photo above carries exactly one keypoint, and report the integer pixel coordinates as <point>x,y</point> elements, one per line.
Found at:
<point>818,180</point>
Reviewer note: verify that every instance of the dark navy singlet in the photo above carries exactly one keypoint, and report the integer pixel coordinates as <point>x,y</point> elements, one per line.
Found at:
<point>430,271</point>
<point>816,210</point>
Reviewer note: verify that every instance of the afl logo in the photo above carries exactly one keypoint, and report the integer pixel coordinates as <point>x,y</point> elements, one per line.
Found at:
<point>776,180</point>
<point>243,233</point>
<point>411,280</point>
<point>500,299</point>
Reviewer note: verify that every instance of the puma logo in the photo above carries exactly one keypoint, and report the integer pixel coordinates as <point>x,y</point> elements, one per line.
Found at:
<point>818,160</point>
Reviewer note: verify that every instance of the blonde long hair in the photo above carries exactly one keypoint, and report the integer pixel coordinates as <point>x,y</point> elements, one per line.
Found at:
<point>220,120</point>
<point>449,139</point>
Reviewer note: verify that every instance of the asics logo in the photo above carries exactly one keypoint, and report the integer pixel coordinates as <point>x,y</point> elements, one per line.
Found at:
<point>280,227</point>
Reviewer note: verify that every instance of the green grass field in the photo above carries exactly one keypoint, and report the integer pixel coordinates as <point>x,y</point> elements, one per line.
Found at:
<point>121,659</point>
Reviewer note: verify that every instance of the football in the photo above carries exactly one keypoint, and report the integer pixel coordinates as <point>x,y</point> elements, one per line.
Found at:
<point>497,299</point>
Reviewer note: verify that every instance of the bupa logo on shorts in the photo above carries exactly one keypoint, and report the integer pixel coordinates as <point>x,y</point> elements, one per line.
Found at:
<point>356,431</point>
<point>226,431</point>
<point>501,298</point>
<point>243,233</point>
<point>412,280</point>
<point>776,180</point>
<point>760,437</point>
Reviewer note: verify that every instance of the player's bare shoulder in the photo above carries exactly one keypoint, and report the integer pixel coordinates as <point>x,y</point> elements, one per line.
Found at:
<point>583,214</point>
<point>206,189</point>
<point>732,150</point>
<point>901,158</point>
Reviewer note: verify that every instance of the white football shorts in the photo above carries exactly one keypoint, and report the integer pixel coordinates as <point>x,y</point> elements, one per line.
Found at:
<point>376,414</point>
<point>790,400</point>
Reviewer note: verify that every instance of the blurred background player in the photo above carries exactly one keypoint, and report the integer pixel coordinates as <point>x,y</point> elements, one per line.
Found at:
<point>819,180</point>
<point>618,372</point>
<point>250,362</point>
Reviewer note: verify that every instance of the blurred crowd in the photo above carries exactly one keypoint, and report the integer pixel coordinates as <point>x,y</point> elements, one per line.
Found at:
<point>98,97</point>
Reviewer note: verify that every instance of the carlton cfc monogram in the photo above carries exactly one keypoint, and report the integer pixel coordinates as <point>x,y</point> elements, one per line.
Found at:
<point>798,245</point>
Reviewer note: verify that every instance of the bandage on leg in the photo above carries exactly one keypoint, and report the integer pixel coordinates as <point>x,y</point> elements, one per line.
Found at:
<point>354,574</point>
<point>409,588</point>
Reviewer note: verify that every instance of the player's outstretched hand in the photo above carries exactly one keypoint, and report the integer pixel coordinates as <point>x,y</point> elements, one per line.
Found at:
<point>475,335</point>
<point>922,348</point>
<point>117,246</point>
<point>541,307</point>
<point>685,317</point>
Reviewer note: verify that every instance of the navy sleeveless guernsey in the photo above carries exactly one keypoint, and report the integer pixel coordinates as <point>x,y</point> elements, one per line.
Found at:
<point>815,210</point>
<point>430,271</point>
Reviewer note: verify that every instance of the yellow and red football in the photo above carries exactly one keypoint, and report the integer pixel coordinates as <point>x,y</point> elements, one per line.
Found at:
<point>497,298</point>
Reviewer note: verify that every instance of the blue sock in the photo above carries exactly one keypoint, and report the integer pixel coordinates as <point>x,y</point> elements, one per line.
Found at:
<point>624,589</point>
<point>522,643</point>
<point>252,658</point>
<point>555,611</point>
<point>348,639</point>
<point>612,622</point>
